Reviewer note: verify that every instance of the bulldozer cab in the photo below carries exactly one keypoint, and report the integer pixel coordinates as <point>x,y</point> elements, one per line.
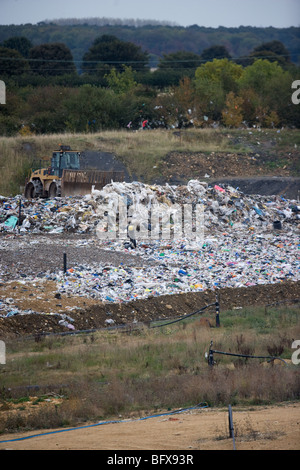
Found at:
<point>64,159</point>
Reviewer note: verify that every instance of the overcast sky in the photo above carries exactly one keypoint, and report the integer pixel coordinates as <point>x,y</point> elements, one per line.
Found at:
<point>213,13</point>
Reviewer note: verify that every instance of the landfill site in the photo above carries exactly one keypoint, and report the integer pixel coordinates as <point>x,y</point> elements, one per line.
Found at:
<point>66,267</point>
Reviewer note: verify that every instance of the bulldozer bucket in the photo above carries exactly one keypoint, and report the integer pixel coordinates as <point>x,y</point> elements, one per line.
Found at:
<point>80,182</point>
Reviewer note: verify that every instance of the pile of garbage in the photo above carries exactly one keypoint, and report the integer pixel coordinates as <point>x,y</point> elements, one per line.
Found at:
<point>46,215</point>
<point>218,263</point>
<point>224,208</point>
<point>248,240</point>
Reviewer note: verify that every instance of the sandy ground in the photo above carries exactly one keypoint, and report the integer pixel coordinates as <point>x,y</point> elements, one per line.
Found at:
<point>257,428</point>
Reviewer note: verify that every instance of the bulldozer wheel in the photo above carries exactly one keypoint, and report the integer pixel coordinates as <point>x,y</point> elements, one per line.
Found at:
<point>52,190</point>
<point>29,191</point>
<point>33,189</point>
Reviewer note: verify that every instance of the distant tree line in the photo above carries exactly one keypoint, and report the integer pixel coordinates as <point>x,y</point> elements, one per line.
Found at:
<point>114,87</point>
<point>104,21</point>
<point>156,39</point>
<point>20,59</point>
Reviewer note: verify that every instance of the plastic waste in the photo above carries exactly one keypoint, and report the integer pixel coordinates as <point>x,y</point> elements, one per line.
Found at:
<point>11,222</point>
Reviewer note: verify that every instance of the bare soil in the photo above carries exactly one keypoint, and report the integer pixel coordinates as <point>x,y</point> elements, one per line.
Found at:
<point>262,428</point>
<point>265,173</point>
<point>226,165</point>
<point>92,314</point>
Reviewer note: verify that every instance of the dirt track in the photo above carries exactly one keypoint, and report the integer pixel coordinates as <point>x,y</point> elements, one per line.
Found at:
<point>266,428</point>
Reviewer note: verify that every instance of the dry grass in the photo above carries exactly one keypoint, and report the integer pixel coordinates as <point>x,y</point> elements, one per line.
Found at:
<point>141,151</point>
<point>105,374</point>
<point>13,168</point>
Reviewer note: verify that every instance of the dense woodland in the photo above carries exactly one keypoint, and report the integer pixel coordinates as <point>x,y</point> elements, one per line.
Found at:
<point>86,77</point>
<point>156,39</point>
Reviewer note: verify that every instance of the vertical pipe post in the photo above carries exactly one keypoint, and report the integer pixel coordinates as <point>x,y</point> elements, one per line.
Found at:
<point>210,355</point>
<point>19,219</point>
<point>217,312</point>
<point>65,262</point>
<point>231,432</point>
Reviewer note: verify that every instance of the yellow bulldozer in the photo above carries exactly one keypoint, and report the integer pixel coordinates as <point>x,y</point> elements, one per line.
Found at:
<point>65,178</point>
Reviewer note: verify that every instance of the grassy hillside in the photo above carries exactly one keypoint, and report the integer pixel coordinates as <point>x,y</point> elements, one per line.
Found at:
<point>146,153</point>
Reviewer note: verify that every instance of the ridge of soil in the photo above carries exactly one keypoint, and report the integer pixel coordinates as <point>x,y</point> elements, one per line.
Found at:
<point>93,314</point>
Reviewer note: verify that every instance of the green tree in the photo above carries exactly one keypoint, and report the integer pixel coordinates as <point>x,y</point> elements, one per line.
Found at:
<point>172,67</point>
<point>12,63</point>
<point>109,52</point>
<point>258,76</point>
<point>214,52</point>
<point>121,82</point>
<point>184,61</point>
<point>51,59</point>
<point>137,105</point>
<point>266,88</point>
<point>45,110</point>
<point>20,44</point>
<point>213,81</point>
<point>222,71</point>
<point>161,78</point>
<point>274,51</point>
<point>10,116</point>
<point>92,109</point>
<point>278,100</point>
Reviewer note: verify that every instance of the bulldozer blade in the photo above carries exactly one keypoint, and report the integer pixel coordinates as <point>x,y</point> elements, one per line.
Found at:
<point>80,182</point>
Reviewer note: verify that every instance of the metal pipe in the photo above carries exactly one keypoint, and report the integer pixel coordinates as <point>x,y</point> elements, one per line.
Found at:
<point>65,262</point>
<point>231,431</point>
<point>217,312</point>
<point>212,351</point>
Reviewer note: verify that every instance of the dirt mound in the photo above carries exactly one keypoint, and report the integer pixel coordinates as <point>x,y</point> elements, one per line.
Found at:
<point>101,315</point>
<point>265,186</point>
<point>254,173</point>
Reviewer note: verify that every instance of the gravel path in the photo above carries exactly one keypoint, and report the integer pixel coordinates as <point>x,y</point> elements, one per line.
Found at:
<point>35,255</point>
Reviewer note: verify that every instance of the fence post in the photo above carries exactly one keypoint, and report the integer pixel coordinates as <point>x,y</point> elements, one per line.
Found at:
<point>20,213</point>
<point>65,262</point>
<point>217,312</point>
<point>231,432</point>
<point>210,355</point>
